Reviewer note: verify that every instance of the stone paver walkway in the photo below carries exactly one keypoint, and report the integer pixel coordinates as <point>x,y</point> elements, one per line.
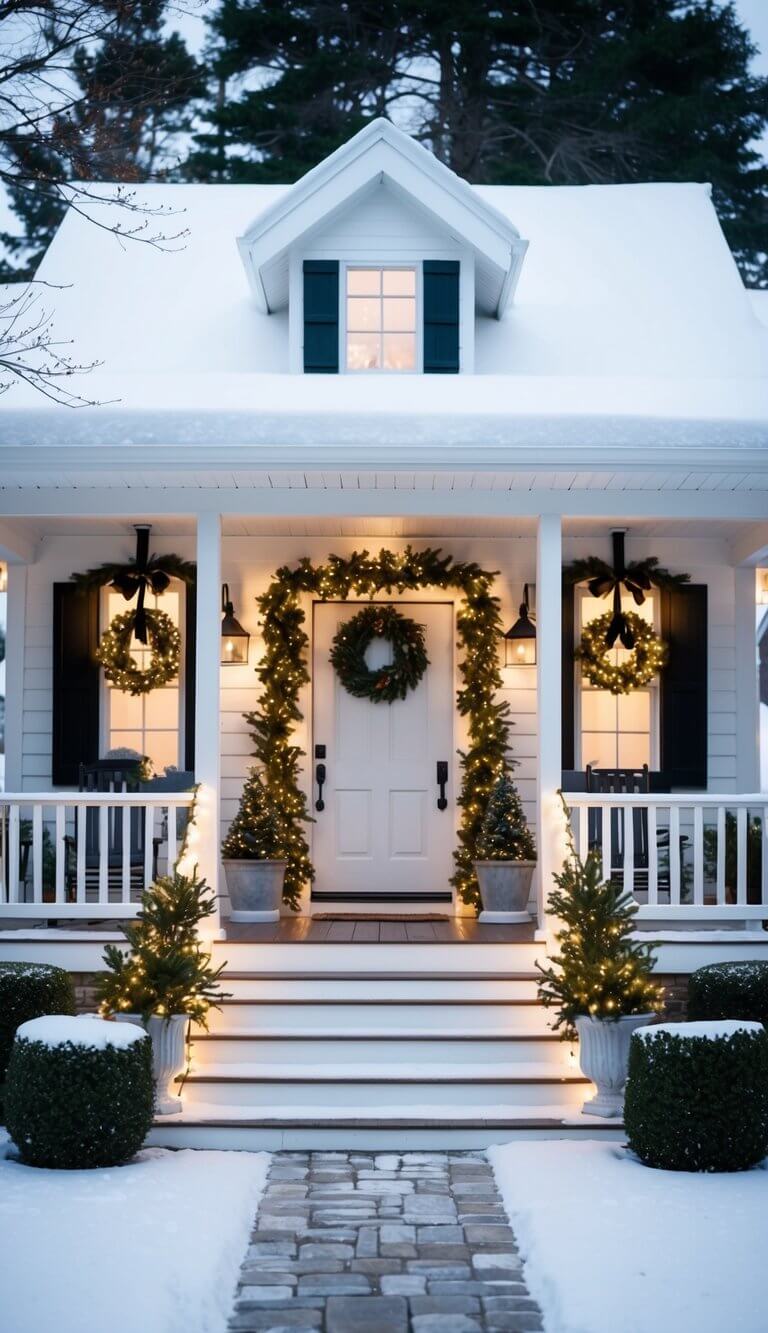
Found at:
<point>382,1243</point>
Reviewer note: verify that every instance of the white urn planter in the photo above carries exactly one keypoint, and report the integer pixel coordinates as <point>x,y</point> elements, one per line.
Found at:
<point>505,888</point>
<point>255,889</point>
<point>168,1037</point>
<point>603,1057</point>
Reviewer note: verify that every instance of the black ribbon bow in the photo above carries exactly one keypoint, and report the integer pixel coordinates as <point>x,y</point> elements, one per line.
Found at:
<point>637,583</point>
<point>138,578</point>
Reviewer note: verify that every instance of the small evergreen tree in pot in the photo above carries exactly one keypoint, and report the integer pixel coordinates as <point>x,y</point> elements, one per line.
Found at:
<point>166,980</point>
<point>254,854</point>
<point>505,856</point>
<point>600,982</point>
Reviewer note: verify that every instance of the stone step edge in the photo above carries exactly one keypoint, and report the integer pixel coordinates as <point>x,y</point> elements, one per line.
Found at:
<point>261,975</point>
<point>248,1034</point>
<point>461,1076</point>
<point>190,1121</point>
<point>353,1000</point>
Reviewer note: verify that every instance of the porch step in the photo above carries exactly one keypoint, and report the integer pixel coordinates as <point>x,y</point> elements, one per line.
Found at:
<point>381,1085</point>
<point>333,1015</point>
<point>406,1048</point>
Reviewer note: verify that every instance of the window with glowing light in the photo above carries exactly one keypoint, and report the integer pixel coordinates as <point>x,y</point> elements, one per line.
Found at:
<point>380,315</point>
<point>150,723</point>
<point>616,731</point>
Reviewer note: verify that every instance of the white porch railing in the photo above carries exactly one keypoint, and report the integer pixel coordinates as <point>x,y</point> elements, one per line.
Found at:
<point>86,854</point>
<point>686,857</point>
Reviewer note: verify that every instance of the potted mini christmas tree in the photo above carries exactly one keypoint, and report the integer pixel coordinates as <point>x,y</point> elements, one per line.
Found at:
<point>506,856</point>
<point>166,981</point>
<point>253,853</point>
<point>600,982</point>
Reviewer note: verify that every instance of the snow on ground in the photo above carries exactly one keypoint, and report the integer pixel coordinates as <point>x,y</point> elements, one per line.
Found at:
<point>612,1246</point>
<point>151,1247</point>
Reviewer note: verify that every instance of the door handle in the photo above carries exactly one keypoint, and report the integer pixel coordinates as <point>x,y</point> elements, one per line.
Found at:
<point>442,778</point>
<point>320,776</point>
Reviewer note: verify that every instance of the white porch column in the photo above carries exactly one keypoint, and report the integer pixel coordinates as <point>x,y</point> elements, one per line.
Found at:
<point>15,632</point>
<point>747,710</point>
<point>549,634</point>
<point>208,701</point>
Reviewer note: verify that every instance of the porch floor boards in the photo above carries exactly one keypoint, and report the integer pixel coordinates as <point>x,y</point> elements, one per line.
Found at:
<point>308,930</point>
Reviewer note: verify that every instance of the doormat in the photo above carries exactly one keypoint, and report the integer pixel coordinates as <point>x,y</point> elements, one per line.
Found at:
<point>381,916</point>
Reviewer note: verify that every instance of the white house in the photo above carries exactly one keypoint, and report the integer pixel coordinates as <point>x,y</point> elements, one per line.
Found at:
<point>383,356</point>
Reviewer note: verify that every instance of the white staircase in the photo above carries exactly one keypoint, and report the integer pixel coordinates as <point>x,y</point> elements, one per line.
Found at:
<point>451,1055</point>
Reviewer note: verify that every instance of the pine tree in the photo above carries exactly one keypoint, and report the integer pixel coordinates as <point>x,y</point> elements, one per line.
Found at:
<point>167,970</point>
<point>256,833</point>
<point>505,835</point>
<point>600,971</point>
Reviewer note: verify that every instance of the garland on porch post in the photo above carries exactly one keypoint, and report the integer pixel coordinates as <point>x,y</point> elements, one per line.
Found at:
<point>283,672</point>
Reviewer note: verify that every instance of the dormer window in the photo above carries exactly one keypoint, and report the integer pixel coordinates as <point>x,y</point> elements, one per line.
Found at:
<point>380,329</point>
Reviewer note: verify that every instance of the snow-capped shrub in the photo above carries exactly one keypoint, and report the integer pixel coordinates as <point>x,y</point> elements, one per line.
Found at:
<point>697,1095</point>
<point>730,990</point>
<point>28,990</point>
<point>79,1091</point>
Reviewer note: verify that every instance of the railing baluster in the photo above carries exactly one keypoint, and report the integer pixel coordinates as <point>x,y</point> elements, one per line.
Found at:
<point>149,848</point>
<point>653,857</point>
<point>80,838</point>
<point>103,853</point>
<point>674,855</point>
<point>741,855</point>
<point>605,832</point>
<point>173,815</point>
<point>125,881</point>
<point>698,856</point>
<point>37,853</point>
<point>61,851</point>
<point>629,849</point>
<point>720,855</point>
<point>14,854</point>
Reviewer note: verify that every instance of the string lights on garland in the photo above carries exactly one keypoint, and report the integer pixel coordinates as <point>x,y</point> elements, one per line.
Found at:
<point>390,682</point>
<point>646,658</point>
<point>283,673</point>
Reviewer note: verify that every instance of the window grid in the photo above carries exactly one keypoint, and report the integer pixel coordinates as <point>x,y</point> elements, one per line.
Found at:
<point>616,731</point>
<point>147,723</point>
<point>380,324</point>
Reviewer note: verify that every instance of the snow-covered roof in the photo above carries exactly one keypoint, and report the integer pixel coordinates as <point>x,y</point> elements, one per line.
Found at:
<point>630,325</point>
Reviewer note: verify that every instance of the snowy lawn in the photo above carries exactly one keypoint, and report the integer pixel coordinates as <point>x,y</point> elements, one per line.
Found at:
<point>151,1247</point>
<point>611,1246</point>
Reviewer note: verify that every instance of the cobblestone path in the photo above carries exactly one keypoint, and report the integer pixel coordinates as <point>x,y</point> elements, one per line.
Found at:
<point>364,1242</point>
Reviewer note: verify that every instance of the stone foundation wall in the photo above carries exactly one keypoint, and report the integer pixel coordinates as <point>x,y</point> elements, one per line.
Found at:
<point>676,999</point>
<point>85,991</point>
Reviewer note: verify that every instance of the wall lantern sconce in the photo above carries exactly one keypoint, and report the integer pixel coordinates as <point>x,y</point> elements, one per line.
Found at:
<point>520,640</point>
<point>234,639</point>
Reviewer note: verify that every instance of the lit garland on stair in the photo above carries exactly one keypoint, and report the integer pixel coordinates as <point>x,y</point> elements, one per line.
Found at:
<point>283,672</point>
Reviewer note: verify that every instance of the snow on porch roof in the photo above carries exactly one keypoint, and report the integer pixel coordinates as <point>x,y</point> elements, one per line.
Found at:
<point>382,154</point>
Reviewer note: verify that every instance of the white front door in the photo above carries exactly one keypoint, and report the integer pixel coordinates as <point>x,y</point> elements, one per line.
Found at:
<point>381,831</point>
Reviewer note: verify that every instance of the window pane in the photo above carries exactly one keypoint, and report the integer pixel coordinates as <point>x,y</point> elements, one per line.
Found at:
<point>363,281</point>
<point>634,751</point>
<point>400,314</point>
<point>162,748</point>
<point>126,740</point>
<point>598,749</point>
<point>399,282</point>
<point>635,711</point>
<point>363,351</point>
<point>363,314</point>
<point>124,710</point>
<point>598,710</point>
<point>399,351</point>
<point>162,708</point>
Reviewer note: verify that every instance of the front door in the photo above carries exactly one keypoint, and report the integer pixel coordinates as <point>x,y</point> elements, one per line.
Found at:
<point>381,834</point>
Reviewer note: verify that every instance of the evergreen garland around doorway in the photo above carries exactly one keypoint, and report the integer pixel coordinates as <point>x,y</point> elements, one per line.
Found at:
<point>283,672</point>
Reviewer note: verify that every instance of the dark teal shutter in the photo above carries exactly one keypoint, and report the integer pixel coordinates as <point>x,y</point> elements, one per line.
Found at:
<point>321,316</point>
<point>441,317</point>
<point>75,738</point>
<point>683,687</point>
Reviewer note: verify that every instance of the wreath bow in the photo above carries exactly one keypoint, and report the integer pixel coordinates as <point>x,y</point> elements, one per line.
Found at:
<point>145,573</point>
<point>638,577</point>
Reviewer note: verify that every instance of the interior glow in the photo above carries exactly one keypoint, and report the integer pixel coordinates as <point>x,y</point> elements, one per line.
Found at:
<point>381,319</point>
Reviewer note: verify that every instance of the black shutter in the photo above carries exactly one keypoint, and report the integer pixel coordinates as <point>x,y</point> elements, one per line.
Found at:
<point>75,682</point>
<point>441,316</point>
<point>321,316</point>
<point>190,633</point>
<point>683,696</point>
<point>568,678</point>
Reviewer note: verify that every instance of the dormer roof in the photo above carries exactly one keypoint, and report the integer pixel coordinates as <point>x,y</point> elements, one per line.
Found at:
<point>381,154</point>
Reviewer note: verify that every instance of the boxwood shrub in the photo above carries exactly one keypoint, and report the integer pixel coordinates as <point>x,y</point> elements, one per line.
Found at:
<point>77,1100</point>
<point>697,1096</point>
<point>28,990</point>
<point>729,990</point>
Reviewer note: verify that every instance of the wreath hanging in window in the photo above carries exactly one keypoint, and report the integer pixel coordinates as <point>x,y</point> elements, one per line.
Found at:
<point>148,626</point>
<point>386,683</point>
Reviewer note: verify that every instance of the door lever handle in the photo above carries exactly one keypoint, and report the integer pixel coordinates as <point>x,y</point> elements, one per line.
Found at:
<point>442,779</point>
<point>320,776</point>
